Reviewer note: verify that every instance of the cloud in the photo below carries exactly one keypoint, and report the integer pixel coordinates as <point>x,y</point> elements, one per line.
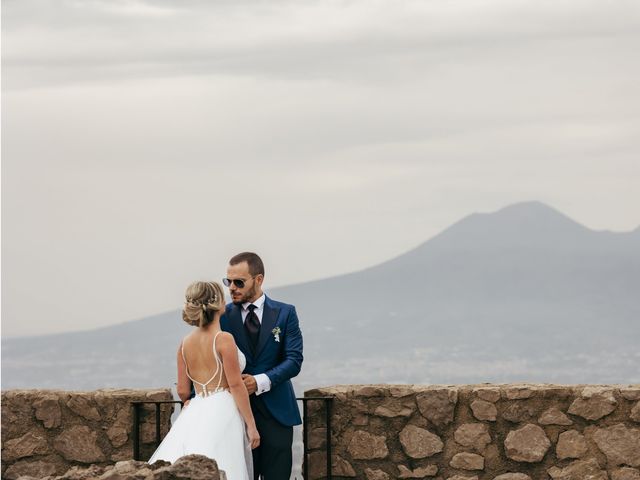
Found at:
<point>140,138</point>
<point>70,41</point>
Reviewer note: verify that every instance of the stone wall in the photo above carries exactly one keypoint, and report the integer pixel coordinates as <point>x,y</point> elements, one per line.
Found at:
<point>45,432</point>
<point>480,432</point>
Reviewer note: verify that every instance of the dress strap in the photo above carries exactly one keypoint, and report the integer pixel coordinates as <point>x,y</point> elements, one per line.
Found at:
<point>184,359</point>
<point>205,392</point>
<point>218,361</point>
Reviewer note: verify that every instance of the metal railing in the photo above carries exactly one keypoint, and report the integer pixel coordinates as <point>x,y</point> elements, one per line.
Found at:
<point>135,431</point>
<point>305,433</point>
<point>137,405</point>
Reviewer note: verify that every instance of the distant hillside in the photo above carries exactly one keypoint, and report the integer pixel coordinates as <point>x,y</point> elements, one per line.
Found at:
<point>524,293</point>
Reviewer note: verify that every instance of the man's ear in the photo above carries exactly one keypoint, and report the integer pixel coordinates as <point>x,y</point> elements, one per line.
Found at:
<point>259,279</point>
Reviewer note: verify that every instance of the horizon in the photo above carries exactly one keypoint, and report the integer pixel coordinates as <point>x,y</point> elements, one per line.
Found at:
<point>524,293</point>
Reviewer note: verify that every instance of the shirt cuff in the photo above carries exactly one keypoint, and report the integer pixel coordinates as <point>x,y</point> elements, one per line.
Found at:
<point>264,383</point>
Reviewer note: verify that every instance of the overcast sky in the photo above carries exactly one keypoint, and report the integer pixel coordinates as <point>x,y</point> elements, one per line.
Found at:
<point>144,143</point>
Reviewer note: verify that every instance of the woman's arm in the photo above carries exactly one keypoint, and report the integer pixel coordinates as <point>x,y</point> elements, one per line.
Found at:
<point>184,384</point>
<point>226,347</point>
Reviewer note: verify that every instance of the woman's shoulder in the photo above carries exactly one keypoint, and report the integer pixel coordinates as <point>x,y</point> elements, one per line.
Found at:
<point>194,338</point>
<point>186,338</point>
<point>225,338</point>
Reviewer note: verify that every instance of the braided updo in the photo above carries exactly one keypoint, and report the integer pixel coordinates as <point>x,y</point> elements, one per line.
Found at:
<point>203,299</point>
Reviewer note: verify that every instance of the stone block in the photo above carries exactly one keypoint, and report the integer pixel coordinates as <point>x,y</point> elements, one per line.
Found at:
<point>118,436</point>
<point>395,408</point>
<point>317,465</point>
<point>94,472</point>
<point>17,414</point>
<point>635,413</point>
<point>518,411</point>
<point>317,438</point>
<point>27,445</point>
<point>467,461</point>
<point>376,474</point>
<point>368,391</point>
<point>79,443</point>
<point>120,455</point>
<point>194,467</point>
<point>484,410</point>
<point>594,403</point>
<point>527,444</point>
<point>341,468</point>
<point>123,415</point>
<point>625,473</point>
<point>579,470</point>
<point>473,435</point>
<point>489,394</point>
<point>517,392</point>
<point>571,444</point>
<point>553,416</point>
<point>420,472</point>
<point>29,468</point>
<point>620,444</point>
<point>401,390</point>
<point>80,404</point>
<point>438,405</point>
<point>631,393</point>
<point>419,443</point>
<point>48,411</point>
<point>367,446</point>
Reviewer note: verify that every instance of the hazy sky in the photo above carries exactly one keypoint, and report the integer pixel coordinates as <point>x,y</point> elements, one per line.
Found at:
<point>144,143</point>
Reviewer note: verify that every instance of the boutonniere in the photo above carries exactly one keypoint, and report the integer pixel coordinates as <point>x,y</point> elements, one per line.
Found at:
<point>276,334</point>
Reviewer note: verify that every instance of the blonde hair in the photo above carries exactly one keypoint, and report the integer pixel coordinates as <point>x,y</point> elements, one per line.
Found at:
<point>203,299</point>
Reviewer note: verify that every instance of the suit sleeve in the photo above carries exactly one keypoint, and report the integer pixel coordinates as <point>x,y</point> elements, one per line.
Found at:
<point>290,366</point>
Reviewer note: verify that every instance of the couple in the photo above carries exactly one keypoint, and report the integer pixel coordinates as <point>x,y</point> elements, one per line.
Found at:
<point>236,367</point>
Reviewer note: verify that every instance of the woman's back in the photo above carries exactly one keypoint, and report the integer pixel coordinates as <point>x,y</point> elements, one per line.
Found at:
<point>203,363</point>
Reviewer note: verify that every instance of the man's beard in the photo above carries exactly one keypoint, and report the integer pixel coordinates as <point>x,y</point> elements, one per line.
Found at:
<point>247,296</point>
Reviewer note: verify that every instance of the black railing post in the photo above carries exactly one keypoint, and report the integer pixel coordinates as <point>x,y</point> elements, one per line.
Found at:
<point>305,434</point>
<point>305,442</point>
<point>327,411</point>
<point>158,439</point>
<point>136,431</point>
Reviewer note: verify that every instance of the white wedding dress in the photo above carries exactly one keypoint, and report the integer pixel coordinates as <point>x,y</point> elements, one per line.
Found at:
<point>211,425</point>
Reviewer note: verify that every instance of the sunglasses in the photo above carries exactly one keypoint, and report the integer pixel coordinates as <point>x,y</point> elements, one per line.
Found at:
<point>238,282</point>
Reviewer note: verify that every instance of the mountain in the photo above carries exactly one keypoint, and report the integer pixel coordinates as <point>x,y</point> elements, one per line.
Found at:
<point>521,294</point>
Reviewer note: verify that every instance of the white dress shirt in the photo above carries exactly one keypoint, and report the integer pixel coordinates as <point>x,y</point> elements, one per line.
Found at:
<point>262,379</point>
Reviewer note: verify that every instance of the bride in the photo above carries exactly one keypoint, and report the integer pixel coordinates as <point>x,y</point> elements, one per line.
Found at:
<point>213,422</point>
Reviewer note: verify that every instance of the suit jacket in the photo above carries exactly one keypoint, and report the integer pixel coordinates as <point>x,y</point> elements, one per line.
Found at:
<point>279,360</point>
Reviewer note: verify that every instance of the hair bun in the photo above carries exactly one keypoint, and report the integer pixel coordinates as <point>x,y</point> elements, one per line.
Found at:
<point>202,300</point>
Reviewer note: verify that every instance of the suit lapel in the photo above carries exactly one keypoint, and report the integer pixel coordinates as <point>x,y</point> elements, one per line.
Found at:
<point>237,330</point>
<point>269,319</point>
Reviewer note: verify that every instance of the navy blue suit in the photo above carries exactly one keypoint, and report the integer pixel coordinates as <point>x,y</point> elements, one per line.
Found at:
<point>276,411</point>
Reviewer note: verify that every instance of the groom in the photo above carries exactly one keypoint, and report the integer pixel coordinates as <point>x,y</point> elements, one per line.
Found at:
<point>269,335</point>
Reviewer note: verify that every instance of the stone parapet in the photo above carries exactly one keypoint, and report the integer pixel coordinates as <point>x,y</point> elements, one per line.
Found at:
<point>478,432</point>
<point>46,432</point>
<point>189,467</point>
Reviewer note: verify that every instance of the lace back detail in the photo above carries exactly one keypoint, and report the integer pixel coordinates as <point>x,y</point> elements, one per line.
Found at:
<point>206,391</point>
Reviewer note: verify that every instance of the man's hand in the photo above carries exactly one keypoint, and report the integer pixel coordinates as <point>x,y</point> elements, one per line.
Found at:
<point>250,383</point>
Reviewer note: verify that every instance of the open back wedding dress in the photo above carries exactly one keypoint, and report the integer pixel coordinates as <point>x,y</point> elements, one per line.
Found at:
<point>211,425</point>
